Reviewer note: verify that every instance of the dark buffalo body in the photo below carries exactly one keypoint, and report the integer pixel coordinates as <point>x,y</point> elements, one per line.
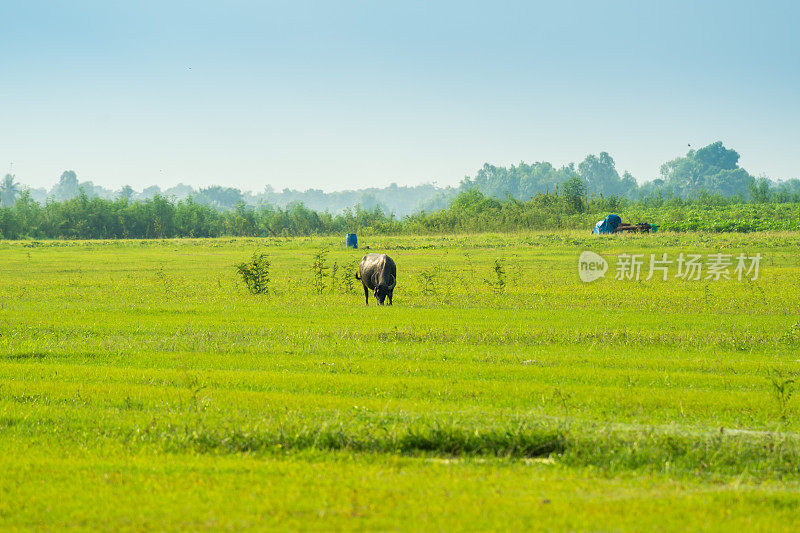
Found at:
<point>378,274</point>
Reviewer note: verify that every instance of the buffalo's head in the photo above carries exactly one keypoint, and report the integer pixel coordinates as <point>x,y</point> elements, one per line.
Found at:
<point>382,290</point>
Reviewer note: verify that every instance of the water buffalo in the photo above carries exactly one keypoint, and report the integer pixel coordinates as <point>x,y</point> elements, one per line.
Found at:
<point>378,273</point>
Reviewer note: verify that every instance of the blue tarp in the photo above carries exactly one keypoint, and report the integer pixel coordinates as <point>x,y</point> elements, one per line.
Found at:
<point>607,225</point>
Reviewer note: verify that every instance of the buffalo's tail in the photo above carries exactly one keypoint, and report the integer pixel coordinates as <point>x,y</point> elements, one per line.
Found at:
<point>358,277</point>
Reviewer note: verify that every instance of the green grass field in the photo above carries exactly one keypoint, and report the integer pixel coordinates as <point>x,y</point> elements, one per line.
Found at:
<point>143,387</point>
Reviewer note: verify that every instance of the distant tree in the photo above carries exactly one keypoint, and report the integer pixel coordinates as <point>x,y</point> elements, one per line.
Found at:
<point>574,190</point>
<point>9,190</point>
<point>518,181</point>
<point>715,155</point>
<point>713,169</point>
<point>38,195</point>
<point>93,191</point>
<point>728,183</point>
<point>788,191</point>
<point>179,191</point>
<point>151,192</point>
<point>370,202</point>
<point>629,183</point>
<point>67,186</point>
<point>599,172</point>
<point>224,197</point>
<point>126,193</point>
<point>760,191</point>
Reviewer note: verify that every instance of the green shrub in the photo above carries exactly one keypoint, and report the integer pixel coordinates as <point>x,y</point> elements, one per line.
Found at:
<point>255,273</point>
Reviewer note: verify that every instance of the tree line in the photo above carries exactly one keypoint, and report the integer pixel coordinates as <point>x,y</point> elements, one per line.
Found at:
<point>524,196</point>
<point>711,170</point>
<point>83,217</point>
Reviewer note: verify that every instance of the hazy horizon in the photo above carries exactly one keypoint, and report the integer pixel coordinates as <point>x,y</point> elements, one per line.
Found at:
<point>353,95</point>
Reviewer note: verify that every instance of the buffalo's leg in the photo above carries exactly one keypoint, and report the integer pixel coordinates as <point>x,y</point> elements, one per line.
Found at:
<point>366,295</point>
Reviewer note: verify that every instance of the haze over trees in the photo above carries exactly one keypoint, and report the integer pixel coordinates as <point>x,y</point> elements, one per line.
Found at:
<point>704,190</point>
<point>9,189</point>
<point>712,170</point>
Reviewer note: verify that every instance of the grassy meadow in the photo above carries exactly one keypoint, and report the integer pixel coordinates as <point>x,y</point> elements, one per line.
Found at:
<point>143,387</point>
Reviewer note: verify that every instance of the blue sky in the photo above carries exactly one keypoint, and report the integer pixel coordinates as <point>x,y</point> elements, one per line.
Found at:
<point>337,95</point>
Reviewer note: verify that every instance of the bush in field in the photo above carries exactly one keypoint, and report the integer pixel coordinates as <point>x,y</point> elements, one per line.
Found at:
<point>783,389</point>
<point>498,284</point>
<point>320,269</point>
<point>574,193</point>
<point>255,273</point>
<point>334,274</point>
<point>348,281</point>
<point>792,335</point>
<point>429,281</point>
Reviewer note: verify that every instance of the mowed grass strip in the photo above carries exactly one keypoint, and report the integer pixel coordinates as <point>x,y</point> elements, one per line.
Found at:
<point>342,491</point>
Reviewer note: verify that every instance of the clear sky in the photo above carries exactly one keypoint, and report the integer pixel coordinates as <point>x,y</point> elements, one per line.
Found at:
<point>340,94</point>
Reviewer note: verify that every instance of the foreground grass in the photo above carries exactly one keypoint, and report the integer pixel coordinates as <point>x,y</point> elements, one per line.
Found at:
<point>337,491</point>
<point>147,362</point>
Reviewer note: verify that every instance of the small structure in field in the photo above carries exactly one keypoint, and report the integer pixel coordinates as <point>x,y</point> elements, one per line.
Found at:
<point>613,224</point>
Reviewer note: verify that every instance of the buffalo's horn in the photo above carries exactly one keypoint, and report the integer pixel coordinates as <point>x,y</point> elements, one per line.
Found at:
<point>394,282</point>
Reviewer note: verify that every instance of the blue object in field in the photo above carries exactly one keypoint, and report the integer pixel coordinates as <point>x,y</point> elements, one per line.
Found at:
<point>351,241</point>
<point>607,225</point>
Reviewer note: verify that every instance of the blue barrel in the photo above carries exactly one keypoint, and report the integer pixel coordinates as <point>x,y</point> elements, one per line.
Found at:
<point>351,241</point>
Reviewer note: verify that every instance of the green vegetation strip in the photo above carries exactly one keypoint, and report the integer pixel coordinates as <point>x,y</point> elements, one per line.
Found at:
<point>758,455</point>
